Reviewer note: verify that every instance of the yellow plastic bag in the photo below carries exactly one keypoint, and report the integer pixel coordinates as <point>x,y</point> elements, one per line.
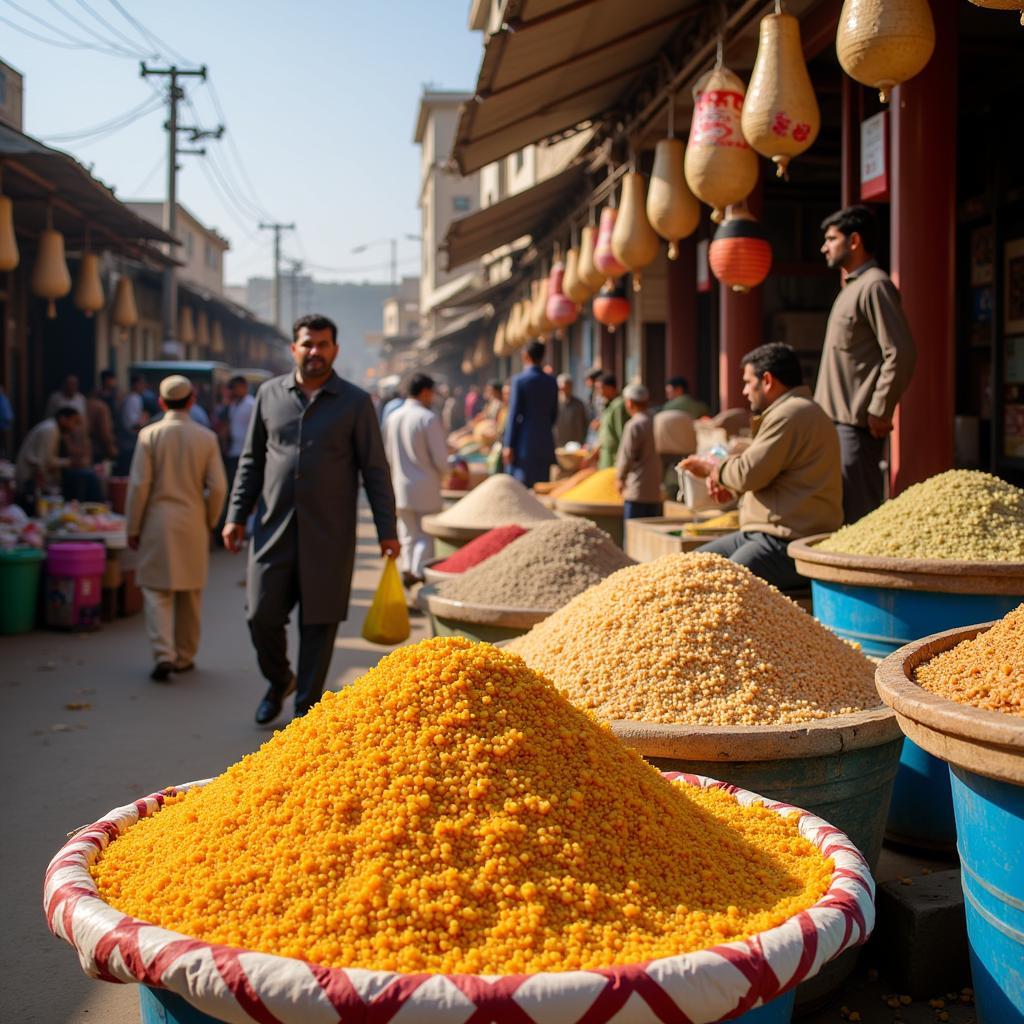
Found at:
<point>387,621</point>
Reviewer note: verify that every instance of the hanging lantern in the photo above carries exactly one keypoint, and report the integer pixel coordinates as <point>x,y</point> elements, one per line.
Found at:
<point>217,337</point>
<point>1002,5</point>
<point>881,43</point>
<point>780,113</point>
<point>560,309</point>
<point>9,257</point>
<point>635,244</point>
<point>466,366</point>
<point>586,270</point>
<point>672,208</point>
<point>186,325</point>
<point>572,284</point>
<point>202,331</point>
<point>740,255</point>
<point>481,353</point>
<point>611,305</point>
<point>124,313</point>
<point>604,257</point>
<point>51,279</point>
<point>88,295</point>
<point>721,169</point>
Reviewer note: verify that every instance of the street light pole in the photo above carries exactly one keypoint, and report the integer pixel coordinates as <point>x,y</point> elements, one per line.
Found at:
<point>393,242</point>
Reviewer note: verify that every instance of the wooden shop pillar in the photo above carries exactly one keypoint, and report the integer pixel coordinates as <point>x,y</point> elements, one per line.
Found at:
<point>681,358</point>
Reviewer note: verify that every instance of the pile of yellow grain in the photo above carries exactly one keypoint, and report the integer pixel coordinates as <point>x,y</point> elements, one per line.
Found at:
<point>962,515</point>
<point>597,489</point>
<point>451,811</point>
<point>986,672</point>
<point>695,638</point>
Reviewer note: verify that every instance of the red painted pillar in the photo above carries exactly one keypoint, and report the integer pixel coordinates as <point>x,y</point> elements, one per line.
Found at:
<point>607,349</point>
<point>740,328</point>
<point>852,115</point>
<point>923,238</point>
<point>681,314</point>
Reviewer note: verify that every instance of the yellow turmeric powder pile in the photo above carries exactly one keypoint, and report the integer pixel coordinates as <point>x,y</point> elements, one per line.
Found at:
<point>451,812</point>
<point>986,672</point>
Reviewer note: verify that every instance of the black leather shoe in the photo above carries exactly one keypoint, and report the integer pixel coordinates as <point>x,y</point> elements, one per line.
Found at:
<point>161,671</point>
<point>273,699</point>
<point>184,668</point>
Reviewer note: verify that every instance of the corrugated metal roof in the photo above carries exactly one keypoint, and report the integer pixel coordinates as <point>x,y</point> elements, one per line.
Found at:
<point>556,64</point>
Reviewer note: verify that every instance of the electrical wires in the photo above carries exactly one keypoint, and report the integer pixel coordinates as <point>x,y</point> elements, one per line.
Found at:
<point>147,106</point>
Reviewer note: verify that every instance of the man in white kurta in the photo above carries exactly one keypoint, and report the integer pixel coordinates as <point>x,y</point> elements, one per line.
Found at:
<point>418,456</point>
<point>175,495</point>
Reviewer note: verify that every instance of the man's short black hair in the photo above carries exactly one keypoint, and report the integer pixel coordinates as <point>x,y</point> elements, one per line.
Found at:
<point>535,351</point>
<point>594,373</point>
<point>106,375</point>
<point>778,359</point>
<point>237,379</point>
<point>855,218</point>
<point>315,322</point>
<point>496,384</point>
<point>178,403</point>
<point>136,378</point>
<point>609,380</point>
<point>420,382</point>
<point>678,382</point>
<point>66,411</point>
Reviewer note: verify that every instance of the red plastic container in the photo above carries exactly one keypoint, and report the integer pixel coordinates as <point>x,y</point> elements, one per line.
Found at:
<point>74,578</point>
<point>117,493</point>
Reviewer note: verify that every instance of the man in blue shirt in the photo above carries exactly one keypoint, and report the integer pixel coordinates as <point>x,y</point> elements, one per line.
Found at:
<point>529,445</point>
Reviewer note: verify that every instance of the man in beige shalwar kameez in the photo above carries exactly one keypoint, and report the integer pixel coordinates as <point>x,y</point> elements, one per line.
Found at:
<point>175,497</point>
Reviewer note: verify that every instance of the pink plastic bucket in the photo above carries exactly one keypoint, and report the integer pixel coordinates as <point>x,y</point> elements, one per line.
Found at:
<point>74,575</point>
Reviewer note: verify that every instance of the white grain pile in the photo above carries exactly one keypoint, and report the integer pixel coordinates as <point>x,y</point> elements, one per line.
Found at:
<point>498,501</point>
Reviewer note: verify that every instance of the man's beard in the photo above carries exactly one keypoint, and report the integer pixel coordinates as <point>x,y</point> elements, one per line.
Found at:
<point>313,368</point>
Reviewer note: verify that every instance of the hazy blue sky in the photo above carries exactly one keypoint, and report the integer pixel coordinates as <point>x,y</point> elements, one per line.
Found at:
<point>320,98</point>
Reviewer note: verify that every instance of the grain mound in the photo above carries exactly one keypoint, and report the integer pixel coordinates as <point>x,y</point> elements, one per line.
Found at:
<point>498,501</point>
<point>986,672</point>
<point>596,489</point>
<point>700,640</point>
<point>962,515</point>
<point>450,811</point>
<point>544,568</point>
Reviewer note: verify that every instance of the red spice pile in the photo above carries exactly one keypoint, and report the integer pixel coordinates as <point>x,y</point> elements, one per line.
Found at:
<point>480,549</point>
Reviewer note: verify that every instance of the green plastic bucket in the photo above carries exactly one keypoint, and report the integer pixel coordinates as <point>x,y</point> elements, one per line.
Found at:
<point>19,589</point>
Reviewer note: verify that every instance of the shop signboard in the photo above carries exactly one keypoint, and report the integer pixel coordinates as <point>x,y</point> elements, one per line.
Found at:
<point>874,157</point>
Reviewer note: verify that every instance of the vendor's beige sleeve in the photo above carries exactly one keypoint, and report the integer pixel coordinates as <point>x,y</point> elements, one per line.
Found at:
<point>761,463</point>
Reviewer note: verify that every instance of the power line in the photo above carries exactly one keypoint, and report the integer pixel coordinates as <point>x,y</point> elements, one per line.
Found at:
<point>147,106</point>
<point>149,177</point>
<point>124,51</point>
<point>112,28</point>
<point>73,42</point>
<point>151,37</point>
<point>50,42</point>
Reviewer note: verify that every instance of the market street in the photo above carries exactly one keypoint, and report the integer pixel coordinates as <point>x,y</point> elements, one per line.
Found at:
<point>127,737</point>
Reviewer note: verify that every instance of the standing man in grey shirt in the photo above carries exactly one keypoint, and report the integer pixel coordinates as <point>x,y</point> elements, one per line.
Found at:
<point>311,436</point>
<point>867,360</point>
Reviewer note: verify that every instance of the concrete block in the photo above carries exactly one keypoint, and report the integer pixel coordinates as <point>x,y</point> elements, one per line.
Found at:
<point>920,939</point>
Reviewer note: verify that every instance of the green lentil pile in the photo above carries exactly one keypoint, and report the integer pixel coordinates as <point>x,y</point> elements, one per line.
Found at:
<point>962,515</point>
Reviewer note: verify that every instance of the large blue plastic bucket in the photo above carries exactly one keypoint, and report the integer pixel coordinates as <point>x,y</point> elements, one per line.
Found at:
<point>990,831</point>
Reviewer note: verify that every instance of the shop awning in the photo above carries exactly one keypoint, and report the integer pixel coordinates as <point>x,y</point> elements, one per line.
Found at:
<point>556,64</point>
<point>35,176</point>
<point>456,326</point>
<point>521,214</point>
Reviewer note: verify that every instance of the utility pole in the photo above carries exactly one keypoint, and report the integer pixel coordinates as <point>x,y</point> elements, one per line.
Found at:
<point>175,93</point>
<point>296,266</point>
<point>275,301</point>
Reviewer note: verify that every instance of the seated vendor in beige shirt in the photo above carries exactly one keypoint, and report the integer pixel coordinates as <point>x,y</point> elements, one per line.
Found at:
<point>789,477</point>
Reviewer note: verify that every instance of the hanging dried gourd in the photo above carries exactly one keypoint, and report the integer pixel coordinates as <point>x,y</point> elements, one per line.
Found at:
<point>51,279</point>
<point>881,43</point>
<point>1002,5</point>
<point>539,324</point>
<point>88,295</point>
<point>482,353</point>
<point>202,330</point>
<point>586,269</point>
<point>466,366</point>
<point>186,325</point>
<point>721,168</point>
<point>499,340</point>
<point>124,313</point>
<point>635,244</point>
<point>512,330</point>
<point>217,337</point>
<point>9,256</point>
<point>611,305</point>
<point>780,113</point>
<point>740,255</point>
<point>560,309</point>
<point>572,284</point>
<point>604,257</point>
<point>672,208</point>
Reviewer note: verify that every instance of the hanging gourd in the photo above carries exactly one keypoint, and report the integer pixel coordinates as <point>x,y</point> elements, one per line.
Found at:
<point>512,341</point>
<point>217,337</point>
<point>202,331</point>
<point>186,326</point>
<point>604,256</point>
<point>1002,5</point>
<point>635,244</point>
<point>881,43</point>
<point>499,340</point>
<point>721,168</point>
<point>780,113</point>
<point>672,208</point>
<point>467,366</point>
<point>560,309</point>
<point>538,323</point>
<point>88,295</point>
<point>586,269</point>
<point>611,305</point>
<point>481,353</point>
<point>51,279</point>
<point>9,257</point>
<point>740,255</point>
<point>572,284</point>
<point>124,313</point>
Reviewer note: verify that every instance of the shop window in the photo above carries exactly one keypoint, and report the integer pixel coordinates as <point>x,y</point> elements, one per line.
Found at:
<point>460,204</point>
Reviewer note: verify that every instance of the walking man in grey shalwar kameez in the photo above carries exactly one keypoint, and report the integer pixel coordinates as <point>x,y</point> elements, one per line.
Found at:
<point>311,436</point>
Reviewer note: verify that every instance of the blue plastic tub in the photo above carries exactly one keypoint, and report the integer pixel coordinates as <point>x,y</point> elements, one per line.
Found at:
<point>990,827</point>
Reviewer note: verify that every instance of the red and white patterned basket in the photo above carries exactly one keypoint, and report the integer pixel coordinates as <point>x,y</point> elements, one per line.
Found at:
<point>239,986</point>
